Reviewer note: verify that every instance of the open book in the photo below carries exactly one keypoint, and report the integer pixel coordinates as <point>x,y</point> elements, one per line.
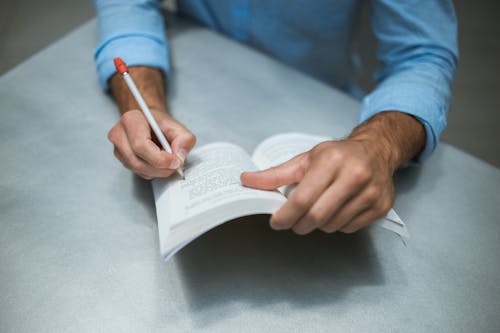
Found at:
<point>212,193</point>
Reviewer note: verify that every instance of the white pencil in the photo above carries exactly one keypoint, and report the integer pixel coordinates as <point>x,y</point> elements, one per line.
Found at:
<point>121,67</point>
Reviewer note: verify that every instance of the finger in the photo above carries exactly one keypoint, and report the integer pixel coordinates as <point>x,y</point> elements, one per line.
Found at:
<point>182,144</point>
<point>361,220</point>
<point>315,182</point>
<point>124,152</point>
<point>287,173</point>
<point>142,168</point>
<point>180,138</point>
<point>328,204</point>
<point>119,156</point>
<point>368,216</point>
<point>153,155</point>
<point>139,136</point>
<point>366,200</point>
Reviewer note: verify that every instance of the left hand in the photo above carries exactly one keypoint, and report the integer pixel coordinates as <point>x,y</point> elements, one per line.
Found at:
<point>343,185</point>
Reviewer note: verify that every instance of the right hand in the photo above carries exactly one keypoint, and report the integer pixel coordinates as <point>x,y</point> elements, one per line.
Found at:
<point>138,149</point>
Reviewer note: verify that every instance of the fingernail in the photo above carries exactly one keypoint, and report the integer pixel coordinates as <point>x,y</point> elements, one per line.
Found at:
<point>182,153</point>
<point>175,164</point>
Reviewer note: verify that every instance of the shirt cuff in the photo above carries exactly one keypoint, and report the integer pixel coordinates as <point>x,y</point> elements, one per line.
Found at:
<point>411,98</point>
<point>135,49</point>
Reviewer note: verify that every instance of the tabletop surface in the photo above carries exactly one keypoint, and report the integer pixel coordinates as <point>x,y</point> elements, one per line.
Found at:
<point>78,234</point>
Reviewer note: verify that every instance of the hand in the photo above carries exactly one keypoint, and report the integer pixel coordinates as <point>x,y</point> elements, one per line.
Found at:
<point>138,149</point>
<point>135,144</point>
<point>343,185</point>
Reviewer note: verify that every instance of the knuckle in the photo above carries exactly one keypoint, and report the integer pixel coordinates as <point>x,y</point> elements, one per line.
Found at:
<point>137,145</point>
<point>301,201</point>
<point>330,227</point>
<point>156,163</point>
<point>385,206</point>
<point>166,125</point>
<point>316,150</point>
<point>191,139</point>
<point>135,165</point>
<point>125,119</point>
<point>168,130</point>
<point>303,165</point>
<point>334,156</point>
<point>112,135</point>
<point>128,117</point>
<point>372,194</point>
<point>316,218</point>
<point>160,162</point>
<point>361,172</point>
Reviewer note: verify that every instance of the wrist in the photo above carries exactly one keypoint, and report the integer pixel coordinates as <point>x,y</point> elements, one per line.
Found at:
<point>392,136</point>
<point>378,146</point>
<point>149,82</point>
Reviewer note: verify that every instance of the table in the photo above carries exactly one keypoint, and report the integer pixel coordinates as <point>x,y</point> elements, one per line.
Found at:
<point>78,234</point>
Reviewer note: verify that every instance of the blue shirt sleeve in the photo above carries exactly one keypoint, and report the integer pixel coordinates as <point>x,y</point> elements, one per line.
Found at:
<point>133,30</point>
<point>417,48</point>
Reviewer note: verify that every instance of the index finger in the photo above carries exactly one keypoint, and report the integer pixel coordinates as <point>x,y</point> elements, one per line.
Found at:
<point>139,136</point>
<point>289,172</point>
<point>307,192</point>
<point>155,156</point>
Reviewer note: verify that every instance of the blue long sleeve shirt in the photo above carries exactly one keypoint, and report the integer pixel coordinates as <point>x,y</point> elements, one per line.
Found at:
<point>417,45</point>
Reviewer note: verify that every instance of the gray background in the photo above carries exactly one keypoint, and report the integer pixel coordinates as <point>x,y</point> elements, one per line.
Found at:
<point>28,26</point>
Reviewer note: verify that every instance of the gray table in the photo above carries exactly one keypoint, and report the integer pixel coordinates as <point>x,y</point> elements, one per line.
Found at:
<point>78,237</point>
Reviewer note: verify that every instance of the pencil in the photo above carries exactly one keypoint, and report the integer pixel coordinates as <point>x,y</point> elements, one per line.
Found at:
<point>121,67</point>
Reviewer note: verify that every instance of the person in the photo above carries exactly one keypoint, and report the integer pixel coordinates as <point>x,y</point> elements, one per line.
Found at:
<point>342,185</point>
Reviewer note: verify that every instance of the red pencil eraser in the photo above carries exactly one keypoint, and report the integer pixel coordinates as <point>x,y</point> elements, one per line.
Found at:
<point>120,65</point>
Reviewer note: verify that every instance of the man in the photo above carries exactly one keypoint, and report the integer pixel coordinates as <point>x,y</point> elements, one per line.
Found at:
<point>342,185</point>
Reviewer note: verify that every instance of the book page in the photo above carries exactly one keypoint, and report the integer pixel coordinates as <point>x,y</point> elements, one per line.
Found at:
<point>280,148</point>
<point>212,178</point>
<point>210,194</point>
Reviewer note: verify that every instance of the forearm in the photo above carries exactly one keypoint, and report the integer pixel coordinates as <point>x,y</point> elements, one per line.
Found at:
<point>134,143</point>
<point>149,81</point>
<point>133,30</point>
<point>395,136</point>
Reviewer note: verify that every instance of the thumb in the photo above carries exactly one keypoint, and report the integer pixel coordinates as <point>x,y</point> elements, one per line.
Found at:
<point>181,140</point>
<point>286,173</point>
<point>182,143</point>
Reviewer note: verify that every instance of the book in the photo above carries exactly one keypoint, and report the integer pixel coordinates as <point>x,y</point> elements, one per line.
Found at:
<point>212,194</point>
